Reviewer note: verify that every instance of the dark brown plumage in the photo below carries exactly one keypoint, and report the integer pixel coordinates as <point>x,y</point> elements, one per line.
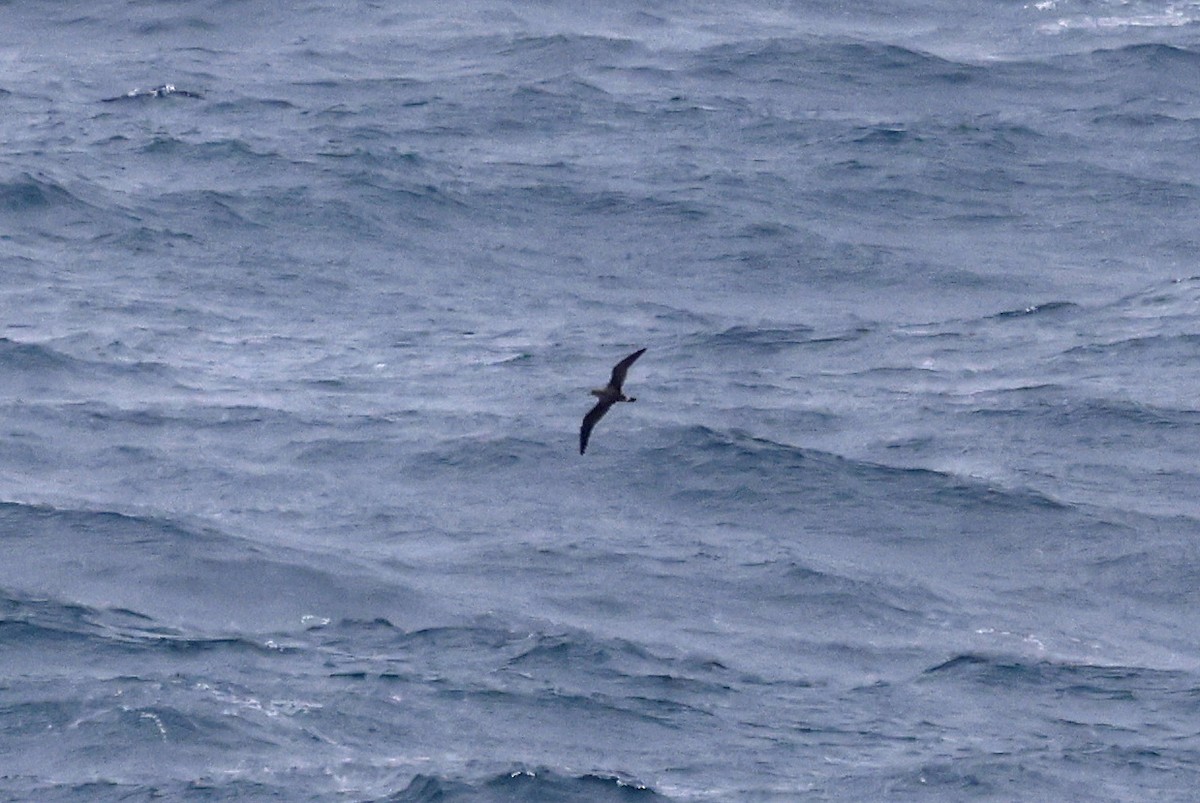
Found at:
<point>608,395</point>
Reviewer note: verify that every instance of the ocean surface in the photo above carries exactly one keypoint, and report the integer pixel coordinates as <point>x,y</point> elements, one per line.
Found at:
<point>301,308</point>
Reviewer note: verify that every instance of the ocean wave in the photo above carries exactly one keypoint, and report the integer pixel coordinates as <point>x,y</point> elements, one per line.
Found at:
<point>1045,309</point>
<point>17,356</point>
<point>501,663</point>
<point>1112,416</point>
<point>1114,17</point>
<point>834,595</point>
<point>794,60</point>
<point>1073,678</point>
<point>1176,576</point>
<point>1161,61</point>
<point>1175,346</point>
<point>560,48</point>
<point>538,784</point>
<point>57,211</point>
<point>191,416</point>
<point>758,338</point>
<point>1178,297</point>
<point>747,467</point>
<point>219,209</point>
<point>180,573</point>
<point>532,649</point>
<point>145,240</point>
<point>1066,406</point>
<point>615,658</point>
<point>228,151</point>
<point>43,623</point>
<point>109,790</point>
<point>29,193</point>
<point>478,454</point>
<point>39,360</point>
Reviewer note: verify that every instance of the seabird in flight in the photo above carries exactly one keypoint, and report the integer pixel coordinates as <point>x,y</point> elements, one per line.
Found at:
<point>608,395</point>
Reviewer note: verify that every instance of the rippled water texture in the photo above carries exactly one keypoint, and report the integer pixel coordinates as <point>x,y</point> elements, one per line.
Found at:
<point>301,310</point>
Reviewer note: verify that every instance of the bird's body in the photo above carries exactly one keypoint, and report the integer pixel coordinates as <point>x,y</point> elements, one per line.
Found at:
<point>607,396</point>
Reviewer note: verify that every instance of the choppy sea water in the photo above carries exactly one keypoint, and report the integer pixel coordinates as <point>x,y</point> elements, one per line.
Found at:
<point>294,357</point>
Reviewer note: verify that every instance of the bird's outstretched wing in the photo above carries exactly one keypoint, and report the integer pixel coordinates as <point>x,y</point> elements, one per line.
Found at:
<point>589,421</point>
<point>622,368</point>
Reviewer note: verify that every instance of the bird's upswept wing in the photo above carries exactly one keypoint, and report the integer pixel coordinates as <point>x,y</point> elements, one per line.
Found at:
<point>620,369</point>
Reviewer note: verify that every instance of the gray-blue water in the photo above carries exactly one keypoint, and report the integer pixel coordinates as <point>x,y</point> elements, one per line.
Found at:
<point>294,358</point>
